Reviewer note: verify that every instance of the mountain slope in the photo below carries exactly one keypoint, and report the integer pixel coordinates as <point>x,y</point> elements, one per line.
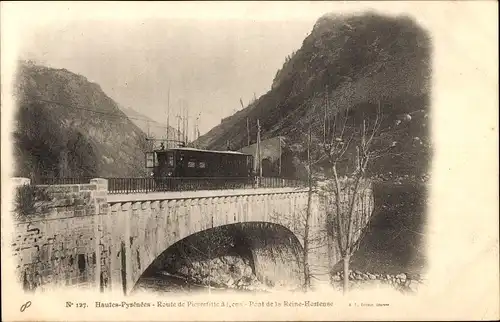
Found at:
<point>355,62</point>
<point>67,126</point>
<point>155,129</point>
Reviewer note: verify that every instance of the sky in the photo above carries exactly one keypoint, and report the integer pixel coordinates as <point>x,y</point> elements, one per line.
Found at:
<point>202,56</point>
<point>208,64</point>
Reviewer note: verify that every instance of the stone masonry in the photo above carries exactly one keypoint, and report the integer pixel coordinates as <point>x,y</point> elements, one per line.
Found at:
<point>89,238</point>
<point>57,246</point>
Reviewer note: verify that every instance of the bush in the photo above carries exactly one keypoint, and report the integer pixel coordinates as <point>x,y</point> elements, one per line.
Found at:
<point>30,199</point>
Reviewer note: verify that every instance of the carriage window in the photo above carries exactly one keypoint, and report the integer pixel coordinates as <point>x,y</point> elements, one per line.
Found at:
<point>170,160</point>
<point>191,163</point>
<point>202,165</point>
<point>151,160</point>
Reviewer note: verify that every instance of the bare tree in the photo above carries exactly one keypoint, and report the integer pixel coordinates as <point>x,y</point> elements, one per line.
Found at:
<point>307,271</point>
<point>349,198</point>
<point>312,234</point>
<point>337,164</point>
<point>338,159</point>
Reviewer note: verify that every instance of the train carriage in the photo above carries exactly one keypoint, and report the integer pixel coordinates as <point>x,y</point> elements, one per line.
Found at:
<point>186,168</point>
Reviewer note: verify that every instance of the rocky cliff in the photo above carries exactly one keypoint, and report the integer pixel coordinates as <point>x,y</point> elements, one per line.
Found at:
<point>68,127</point>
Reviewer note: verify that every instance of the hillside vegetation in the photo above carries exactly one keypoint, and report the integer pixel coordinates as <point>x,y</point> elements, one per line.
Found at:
<point>357,63</point>
<point>68,127</point>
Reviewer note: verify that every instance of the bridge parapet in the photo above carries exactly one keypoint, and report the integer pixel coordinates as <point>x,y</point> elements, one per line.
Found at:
<point>178,195</point>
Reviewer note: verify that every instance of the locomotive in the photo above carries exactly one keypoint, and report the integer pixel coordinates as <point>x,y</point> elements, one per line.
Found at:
<point>184,167</point>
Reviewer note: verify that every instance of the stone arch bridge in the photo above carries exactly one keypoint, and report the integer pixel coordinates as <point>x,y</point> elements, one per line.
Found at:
<point>85,237</point>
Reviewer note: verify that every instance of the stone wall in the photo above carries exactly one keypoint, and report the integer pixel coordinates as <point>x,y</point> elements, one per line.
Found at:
<point>58,243</point>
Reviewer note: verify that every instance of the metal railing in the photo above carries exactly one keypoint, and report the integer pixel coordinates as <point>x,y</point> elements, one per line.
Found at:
<point>150,184</point>
<point>131,185</point>
<point>275,182</point>
<point>202,183</point>
<point>135,185</point>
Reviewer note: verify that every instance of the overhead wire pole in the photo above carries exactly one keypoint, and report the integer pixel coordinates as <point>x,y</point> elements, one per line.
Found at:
<point>194,131</point>
<point>279,168</point>
<point>168,111</point>
<point>196,127</point>
<point>184,129</point>
<point>258,152</point>
<point>248,133</point>
<point>183,118</point>
<point>248,125</point>
<point>178,127</point>
<point>187,124</point>
<point>324,120</point>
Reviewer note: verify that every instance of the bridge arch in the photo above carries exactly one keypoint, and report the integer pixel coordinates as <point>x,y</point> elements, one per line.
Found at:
<point>266,251</point>
<point>149,224</point>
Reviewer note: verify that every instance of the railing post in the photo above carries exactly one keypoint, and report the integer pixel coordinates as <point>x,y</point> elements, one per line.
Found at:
<point>102,184</point>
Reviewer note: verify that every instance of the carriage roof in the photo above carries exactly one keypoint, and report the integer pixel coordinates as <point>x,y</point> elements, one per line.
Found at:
<point>204,151</point>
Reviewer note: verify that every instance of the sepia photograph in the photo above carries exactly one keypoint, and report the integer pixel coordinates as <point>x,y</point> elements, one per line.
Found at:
<point>224,160</point>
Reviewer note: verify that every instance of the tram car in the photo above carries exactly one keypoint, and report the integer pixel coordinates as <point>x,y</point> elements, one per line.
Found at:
<point>187,168</point>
